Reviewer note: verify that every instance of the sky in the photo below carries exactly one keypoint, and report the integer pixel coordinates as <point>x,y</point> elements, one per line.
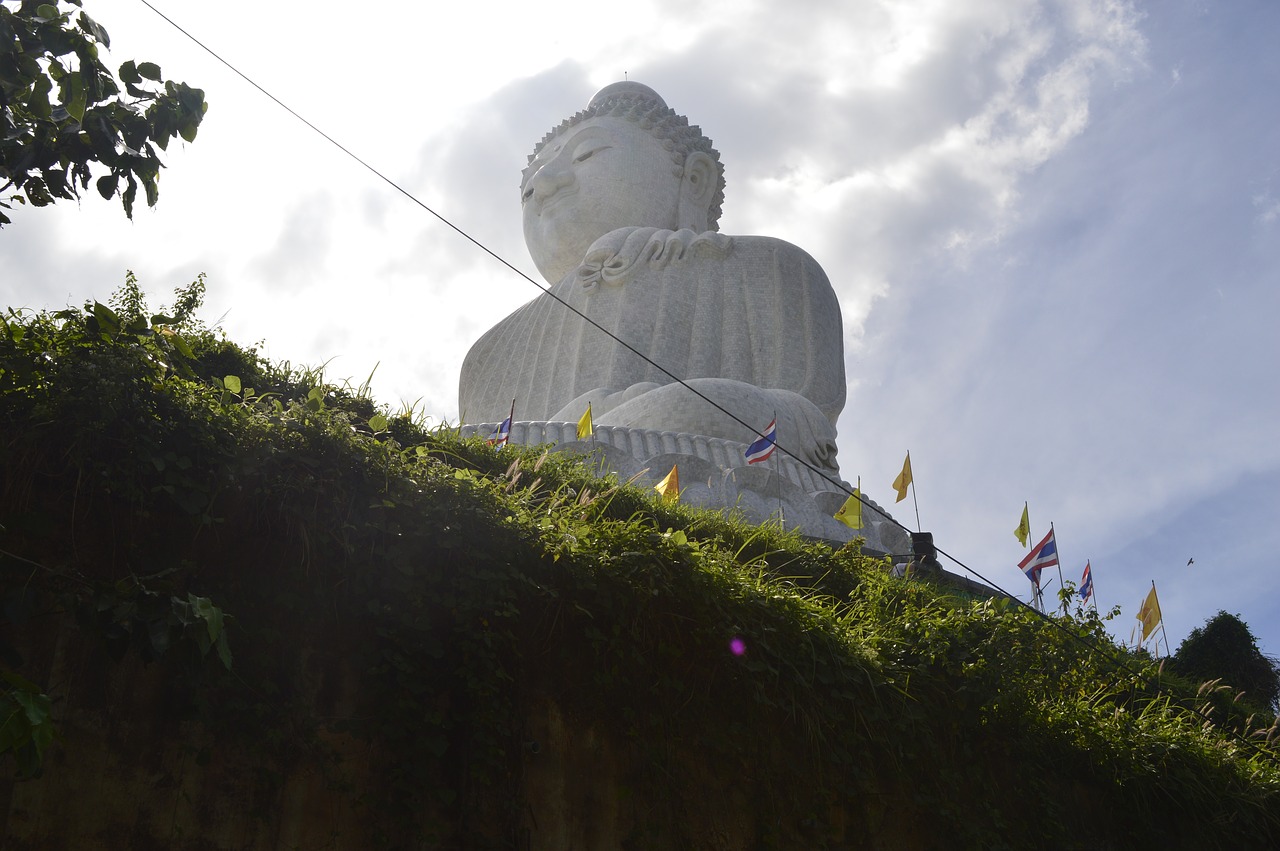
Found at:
<point>1053,226</point>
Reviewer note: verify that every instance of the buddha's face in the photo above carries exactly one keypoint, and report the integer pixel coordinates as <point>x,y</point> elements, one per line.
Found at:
<point>598,176</point>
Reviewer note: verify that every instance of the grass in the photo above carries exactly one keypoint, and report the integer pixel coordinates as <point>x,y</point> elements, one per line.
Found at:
<point>465,579</point>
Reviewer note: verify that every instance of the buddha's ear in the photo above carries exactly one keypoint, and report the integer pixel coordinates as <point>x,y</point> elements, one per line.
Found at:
<point>697,187</point>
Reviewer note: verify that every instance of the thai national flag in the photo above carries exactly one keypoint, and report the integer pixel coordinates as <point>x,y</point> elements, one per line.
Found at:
<point>1042,555</point>
<point>501,433</point>
<point>764,445</point>
<point>1086,583</point>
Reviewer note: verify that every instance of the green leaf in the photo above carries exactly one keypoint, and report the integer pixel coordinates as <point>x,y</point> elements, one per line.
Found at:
<point>129,73</point>
<point>315,399</point>
<point>130,193</point>
<point>56,181</point>
<point>224,650</point>
<point>106,317</point>
<point>209,613</point>
<point>93,28</point>
<point>378,423</point>
<point>150,70</point>
<point>73,95</point>
<point>36,705</point>
<point>19,682</point>
<point>37,192</point>
<point>108,185</point>
<point>181,345</point>
<point>38,103</point>
<point>232,383</point>
<point>47,12</point>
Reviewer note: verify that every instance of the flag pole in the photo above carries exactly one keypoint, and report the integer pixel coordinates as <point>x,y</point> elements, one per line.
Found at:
<point>511,419</point>
<point>914,501</point>
<point>777,473</point>
<point>1061,584</point>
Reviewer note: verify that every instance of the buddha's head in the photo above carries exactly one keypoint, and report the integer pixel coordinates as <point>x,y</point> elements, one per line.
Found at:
<point>627,160</point>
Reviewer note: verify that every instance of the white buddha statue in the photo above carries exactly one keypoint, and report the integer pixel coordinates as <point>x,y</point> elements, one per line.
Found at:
<point>621,204</point>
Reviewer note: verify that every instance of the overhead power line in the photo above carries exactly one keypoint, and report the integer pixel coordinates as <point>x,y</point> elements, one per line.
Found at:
<point>841,486</point>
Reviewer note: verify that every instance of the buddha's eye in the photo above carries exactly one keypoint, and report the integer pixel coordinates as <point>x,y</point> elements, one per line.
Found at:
<point>589,153</point>
<point>526,195</point>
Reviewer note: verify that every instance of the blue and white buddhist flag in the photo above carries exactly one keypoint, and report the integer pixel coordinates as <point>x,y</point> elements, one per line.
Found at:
<point>1086,583</point>
<point>501,433</point>
<point>764,445</point>
<point>1042,555</point>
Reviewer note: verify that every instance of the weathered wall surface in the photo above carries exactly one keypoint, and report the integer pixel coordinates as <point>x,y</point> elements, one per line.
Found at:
<point>130,771</point>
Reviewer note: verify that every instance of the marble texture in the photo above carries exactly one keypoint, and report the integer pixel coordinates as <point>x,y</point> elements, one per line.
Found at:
<point>714,475</point>
<point>750,323</point>
<point>684,341</point>
<point>620,206</point>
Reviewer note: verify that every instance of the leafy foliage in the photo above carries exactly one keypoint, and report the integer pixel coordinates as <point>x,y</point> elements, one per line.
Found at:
<point>1225,650</point>
<point>116,358</point>
<point>455,581</point>
<point>26,723</point>
<point>48,140</point>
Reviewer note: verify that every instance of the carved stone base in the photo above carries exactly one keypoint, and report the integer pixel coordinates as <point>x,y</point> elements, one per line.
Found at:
<point>714,474</point>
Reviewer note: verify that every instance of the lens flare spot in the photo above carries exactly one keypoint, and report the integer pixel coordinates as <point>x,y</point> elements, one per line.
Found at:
<point>737,646</point>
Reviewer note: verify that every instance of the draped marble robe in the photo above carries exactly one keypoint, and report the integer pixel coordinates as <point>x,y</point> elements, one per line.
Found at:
<point>751,322</point>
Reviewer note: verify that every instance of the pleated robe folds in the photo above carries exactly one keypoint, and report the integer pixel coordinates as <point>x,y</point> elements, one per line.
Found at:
<point>752,309</point>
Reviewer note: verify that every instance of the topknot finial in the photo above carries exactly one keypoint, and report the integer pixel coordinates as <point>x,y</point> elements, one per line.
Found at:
<point>629,88</point>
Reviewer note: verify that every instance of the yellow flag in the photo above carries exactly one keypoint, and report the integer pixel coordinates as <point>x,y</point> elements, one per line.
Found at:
<point>850,514</point>
<point>1023,532</point>
<point>669,487</point>
<point>1149,614</point>
<point>904,479</point>
<point>584,424</point>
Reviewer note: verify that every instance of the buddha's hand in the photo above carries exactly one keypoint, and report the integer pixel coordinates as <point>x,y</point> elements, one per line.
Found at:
<point>618,255</point>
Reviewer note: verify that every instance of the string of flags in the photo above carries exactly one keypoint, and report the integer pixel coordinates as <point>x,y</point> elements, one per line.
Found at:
<point>1045,554</point>
<point>760,450</point>
<point>1042,555</point>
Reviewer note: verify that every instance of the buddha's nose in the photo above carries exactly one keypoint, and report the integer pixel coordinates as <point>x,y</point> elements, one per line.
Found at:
<point>551,178</point>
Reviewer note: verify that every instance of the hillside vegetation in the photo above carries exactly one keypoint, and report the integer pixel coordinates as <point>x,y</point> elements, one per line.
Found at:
<point>246,608</point>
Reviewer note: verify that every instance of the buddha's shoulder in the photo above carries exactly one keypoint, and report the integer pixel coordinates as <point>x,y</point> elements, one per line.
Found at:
<point>630,247</point>
<point>769,258</point>
<point>751,245</point>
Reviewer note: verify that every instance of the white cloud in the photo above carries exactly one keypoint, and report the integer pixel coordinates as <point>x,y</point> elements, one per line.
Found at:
<point>1057,270</point>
